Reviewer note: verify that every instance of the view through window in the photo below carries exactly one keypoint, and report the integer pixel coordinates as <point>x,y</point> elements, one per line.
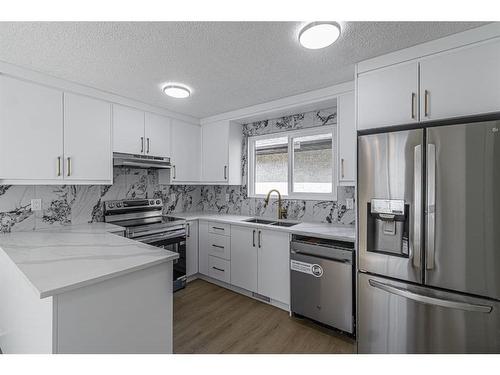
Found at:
<point>297,164</point>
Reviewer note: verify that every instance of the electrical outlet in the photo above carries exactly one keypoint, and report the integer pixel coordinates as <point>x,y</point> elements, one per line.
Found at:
<point>227,197</point>
<point>349,203</point>
<point>36,205</point>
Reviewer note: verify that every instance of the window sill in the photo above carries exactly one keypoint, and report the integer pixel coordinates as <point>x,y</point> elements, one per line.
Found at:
<point>298,197</point>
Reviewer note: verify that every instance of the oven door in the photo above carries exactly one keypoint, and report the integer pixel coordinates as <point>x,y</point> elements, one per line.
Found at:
<point>174,241</point>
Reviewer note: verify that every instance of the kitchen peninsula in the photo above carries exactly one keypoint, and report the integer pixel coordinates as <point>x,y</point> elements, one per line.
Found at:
<point>83,289</point>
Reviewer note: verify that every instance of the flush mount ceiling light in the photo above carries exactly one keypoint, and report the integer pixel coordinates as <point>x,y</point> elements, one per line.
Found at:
<point>316,35</point>
<point>176,90</point>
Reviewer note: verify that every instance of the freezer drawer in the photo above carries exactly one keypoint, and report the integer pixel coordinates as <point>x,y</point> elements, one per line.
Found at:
<point>394,317</point>
<point>325,296</point>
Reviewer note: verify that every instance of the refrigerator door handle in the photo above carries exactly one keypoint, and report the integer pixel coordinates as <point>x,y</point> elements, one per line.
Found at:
<point>431,207</point>
<point>431,300</point>
<point>417,209</point>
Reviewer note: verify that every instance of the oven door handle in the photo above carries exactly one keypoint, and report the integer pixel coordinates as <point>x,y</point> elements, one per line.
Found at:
<point>181,235</point>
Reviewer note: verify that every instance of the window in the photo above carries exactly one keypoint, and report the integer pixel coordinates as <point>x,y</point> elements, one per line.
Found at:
<point>299,164</point>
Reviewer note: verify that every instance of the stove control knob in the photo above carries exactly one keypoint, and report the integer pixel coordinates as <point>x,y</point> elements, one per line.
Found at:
<point>118,205</point>
<point>151,202</point>
<point>111,205</point>
<point>157,201</point>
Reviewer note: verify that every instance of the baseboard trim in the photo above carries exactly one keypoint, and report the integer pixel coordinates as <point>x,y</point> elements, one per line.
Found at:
<point>242,291</point>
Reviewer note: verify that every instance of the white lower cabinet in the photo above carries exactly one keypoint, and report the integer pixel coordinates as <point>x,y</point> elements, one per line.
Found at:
<point>244,257</point>
<point>254,259</point>
<point>274,265</point>
<point>219,269</point>
<point>191,247</point>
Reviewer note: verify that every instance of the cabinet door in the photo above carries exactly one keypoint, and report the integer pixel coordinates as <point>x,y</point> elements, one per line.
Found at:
<point>215,145</point>
<point>31,131</point>
<point>203,247</point>
<point>388,96</point>
<point>186,153</point>
<point>87,139</point>
<point>128,130</point>
<point>192,248</point>
<point>461,82</point>
<point>346,138</point>
<point>244,257</point>
<point>274,265</point>
<point>157,131</point>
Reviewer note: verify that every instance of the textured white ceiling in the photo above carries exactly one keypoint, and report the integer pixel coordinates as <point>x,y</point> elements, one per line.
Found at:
<point>229,65</point>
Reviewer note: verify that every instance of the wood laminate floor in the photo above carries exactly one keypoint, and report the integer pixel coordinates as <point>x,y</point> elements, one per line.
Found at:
<point>211,319</point>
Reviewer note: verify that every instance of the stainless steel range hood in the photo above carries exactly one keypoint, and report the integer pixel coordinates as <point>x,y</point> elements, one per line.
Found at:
<point>140,161</point>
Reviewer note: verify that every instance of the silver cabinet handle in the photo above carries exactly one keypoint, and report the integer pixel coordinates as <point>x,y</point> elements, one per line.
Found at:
<point>260,238</point>
<point>225,172</point>
<point>218,246</point>
<point>69,166</point>
<point>218,269</point>
<point>147,150</point>
<point>142,145</point>
<point>342,167</point>
<point>173,167</point>
<point>188,227</point>
<point>430,300</point>
<point>426,103</point>
<point>58,166</point>
<point>217,228</point>
<point>431,206</point>
<point>417,206</point>
<point>253,238</point>
<point>413,105</point>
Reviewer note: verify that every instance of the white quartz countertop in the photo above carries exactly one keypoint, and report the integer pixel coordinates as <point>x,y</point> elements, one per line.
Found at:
<point>322,230</point>
<point>59,260</point>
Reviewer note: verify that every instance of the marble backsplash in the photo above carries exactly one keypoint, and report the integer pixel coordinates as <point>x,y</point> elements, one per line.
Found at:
<point>70,204</point>
<point>76,204</point>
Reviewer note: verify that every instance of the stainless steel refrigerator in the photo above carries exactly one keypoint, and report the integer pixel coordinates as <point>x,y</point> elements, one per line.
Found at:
<point>429,240</point>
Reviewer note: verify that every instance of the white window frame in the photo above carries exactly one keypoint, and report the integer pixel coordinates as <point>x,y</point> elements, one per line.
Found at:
<point>291,135</point>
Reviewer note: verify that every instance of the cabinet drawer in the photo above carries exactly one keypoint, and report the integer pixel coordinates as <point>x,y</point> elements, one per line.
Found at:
<point>219,246</point>
<point>219,228</point>
<point>219,269</point>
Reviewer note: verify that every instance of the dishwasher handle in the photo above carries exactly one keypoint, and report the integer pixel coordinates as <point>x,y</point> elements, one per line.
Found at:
<point>322,252</point>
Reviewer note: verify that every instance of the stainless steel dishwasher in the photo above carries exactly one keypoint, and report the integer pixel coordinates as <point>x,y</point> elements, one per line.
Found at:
<point>322,281</point>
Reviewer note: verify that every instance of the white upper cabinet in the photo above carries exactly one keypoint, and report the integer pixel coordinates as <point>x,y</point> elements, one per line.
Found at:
<point>460,82</point>
<point>244,257</point>
<point>221,153</point>
<point>346,139</point>
<point>186,155</point>
<point>274,265</point>
<point>451,81</point>
<point>31,130</point>
<point>157,135</point>
<point>87,139</point>
<point>388,96</point>
<point>47,137</point>
<point>128,130</point>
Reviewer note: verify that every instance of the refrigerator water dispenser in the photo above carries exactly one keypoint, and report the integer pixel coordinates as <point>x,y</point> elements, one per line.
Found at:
<point>388,227</point>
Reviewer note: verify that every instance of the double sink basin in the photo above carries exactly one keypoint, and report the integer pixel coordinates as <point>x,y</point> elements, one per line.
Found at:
<point>275,223</point>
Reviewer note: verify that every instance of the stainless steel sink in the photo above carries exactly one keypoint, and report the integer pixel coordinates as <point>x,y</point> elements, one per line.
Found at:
<point>259,221</point>
<point>283,224</point>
